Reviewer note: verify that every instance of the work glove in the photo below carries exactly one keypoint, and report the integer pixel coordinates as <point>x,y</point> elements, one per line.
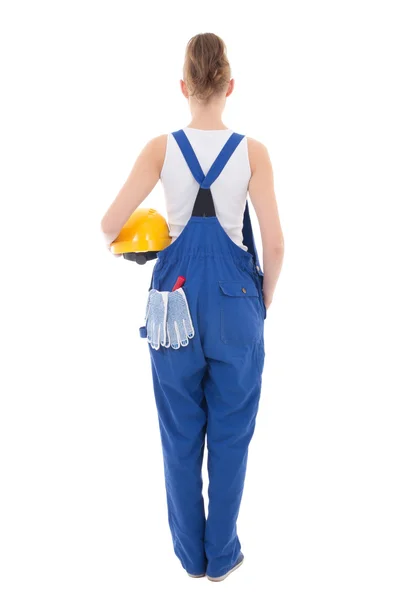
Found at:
<point>179,323</point>
<point>156,318</point>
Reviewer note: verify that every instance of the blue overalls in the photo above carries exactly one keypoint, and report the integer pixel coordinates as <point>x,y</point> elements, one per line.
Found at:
<point>211,387</point>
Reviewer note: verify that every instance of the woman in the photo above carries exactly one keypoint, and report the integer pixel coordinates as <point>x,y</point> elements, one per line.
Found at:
<point>207,386</point>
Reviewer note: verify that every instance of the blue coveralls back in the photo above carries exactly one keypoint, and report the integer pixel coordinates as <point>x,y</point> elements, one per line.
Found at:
<point>208,391</point>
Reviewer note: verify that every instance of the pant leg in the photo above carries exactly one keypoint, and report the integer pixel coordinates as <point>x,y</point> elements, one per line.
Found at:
<point>232,388</point>
<point>182,414</point>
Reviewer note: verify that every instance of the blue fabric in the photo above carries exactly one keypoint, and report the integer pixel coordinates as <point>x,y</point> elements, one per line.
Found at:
<point>209,391</point>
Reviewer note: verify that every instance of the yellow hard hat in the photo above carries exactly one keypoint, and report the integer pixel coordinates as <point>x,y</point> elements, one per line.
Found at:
<point>144,234</point>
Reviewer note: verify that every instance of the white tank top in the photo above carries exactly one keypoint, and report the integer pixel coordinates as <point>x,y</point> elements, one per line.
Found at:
<point>229,190</point>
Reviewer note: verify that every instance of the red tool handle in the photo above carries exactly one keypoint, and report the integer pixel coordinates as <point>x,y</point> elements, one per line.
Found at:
<point>179,283</point>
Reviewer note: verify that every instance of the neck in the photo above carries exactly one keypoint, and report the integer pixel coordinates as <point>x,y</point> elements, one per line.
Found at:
<point>208,116</point>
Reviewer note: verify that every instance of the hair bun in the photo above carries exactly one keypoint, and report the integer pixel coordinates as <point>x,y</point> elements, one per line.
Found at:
<point>206,68</point>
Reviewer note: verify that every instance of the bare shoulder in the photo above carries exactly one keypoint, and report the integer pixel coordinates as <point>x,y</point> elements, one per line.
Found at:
<point>159,142</point>
<point>258,154</point>
<point>155,149</point>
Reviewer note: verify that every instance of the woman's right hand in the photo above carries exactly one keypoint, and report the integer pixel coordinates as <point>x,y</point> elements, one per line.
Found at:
<point>267,299</point>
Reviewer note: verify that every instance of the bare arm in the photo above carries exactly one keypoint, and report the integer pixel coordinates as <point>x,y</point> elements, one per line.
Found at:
<point>142,179</point>
<point>262,195</point>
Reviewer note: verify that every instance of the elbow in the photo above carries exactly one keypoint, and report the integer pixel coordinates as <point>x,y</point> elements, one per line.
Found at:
<point>108,230</point>
<point>105,225</point>
<point>276,250</point>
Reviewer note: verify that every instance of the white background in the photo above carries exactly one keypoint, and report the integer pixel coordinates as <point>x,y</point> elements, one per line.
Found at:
<point>84,86</point>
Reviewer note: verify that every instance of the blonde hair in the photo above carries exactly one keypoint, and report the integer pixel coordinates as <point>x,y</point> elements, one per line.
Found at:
<point>206,70</point>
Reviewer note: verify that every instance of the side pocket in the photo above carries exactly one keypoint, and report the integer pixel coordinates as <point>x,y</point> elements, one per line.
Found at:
<point>241,317</point>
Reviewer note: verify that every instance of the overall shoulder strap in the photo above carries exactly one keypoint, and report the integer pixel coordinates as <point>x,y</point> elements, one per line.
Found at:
<point>221,160</point>
<point>216,168</point>
<point>189,155</point>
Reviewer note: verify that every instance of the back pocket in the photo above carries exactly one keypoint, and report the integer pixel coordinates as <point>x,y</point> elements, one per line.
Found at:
<point>242,317</point>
